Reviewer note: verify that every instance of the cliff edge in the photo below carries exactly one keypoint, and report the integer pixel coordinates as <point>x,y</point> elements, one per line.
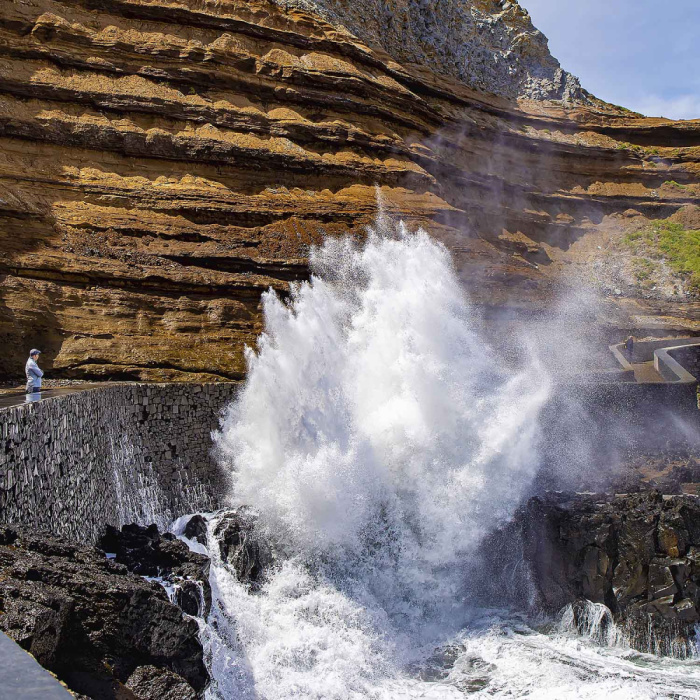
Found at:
<point>490,45</point>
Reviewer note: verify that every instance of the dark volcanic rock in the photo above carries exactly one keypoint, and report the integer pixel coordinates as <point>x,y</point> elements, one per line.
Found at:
<point>196,529</point>
<point>242,548</point>
<point>631,550</point>
<point>148,681</point>
<point>147,552</point>
<point>92,623</point>
<point>193,597</point>
<point>639,554</point>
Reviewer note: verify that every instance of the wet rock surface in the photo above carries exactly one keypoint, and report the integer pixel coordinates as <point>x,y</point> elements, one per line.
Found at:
<point>639,554</point>
<point>196,529</point>
<point>103,631</point>
<point>149,681</point>
<point>147,552</point>
<point>242,548</point>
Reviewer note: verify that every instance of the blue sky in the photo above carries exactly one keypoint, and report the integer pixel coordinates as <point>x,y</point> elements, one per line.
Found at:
<point>641,54</point>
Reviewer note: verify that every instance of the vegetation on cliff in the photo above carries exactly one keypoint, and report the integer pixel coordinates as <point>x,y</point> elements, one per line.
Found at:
<point>666,245</point>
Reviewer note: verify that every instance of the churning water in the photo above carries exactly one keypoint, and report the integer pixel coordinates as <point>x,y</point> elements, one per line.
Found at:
<point>380,440</point>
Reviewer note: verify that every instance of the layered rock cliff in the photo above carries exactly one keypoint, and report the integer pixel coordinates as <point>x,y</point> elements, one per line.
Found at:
<point>163,162</point>
<point>490,45</point>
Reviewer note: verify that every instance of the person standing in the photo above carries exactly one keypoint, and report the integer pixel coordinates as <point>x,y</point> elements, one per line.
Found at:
<point>629,347</point>
<point>33,372</point>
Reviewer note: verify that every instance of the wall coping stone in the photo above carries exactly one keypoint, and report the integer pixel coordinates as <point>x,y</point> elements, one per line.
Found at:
<point>22,677</point>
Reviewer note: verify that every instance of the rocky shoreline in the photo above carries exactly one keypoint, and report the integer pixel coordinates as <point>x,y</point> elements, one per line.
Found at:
<point>119,622</point>
<point>637,554</point>
<point>103,631</point>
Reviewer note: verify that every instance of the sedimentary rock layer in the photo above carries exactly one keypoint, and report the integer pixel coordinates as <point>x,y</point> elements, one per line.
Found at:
<point>163,163</point>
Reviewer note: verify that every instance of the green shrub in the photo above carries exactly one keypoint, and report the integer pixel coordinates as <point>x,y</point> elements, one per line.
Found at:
<point>643,269</point>
<point>670,242</point>
<point>673,183</point>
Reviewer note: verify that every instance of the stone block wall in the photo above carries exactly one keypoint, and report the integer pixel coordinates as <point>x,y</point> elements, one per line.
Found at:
<point>114,454</point>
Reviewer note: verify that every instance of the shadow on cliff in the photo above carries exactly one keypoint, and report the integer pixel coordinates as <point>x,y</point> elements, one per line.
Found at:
<point>27,318</point>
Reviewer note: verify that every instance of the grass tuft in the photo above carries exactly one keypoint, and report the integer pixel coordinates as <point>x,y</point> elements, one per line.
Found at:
<point>670,242</point>
<point>673,183</point>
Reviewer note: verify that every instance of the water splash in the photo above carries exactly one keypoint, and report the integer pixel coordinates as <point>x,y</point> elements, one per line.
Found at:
<point>300,638</point>
<point>138,494</point>
<point>638,631</point>
<point>372,398</point>
<point>379,439</point>
<point>592,621</point>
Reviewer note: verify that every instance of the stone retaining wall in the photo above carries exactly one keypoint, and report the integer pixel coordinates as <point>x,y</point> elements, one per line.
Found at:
<point>643,350</point>
<point>115,454</point>
<point>669,364</point>
<point>142,452</point>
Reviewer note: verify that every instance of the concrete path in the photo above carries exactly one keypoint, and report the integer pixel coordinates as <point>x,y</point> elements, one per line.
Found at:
<point>645,373</point>
<point>644,359</point>
<point>22,678</point>
<point>17,399</point>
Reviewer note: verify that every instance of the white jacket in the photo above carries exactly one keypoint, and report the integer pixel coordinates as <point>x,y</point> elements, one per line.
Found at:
<point>34,374</point>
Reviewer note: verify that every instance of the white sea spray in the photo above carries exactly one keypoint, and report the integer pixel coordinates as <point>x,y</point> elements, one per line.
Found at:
<point>379,440</point>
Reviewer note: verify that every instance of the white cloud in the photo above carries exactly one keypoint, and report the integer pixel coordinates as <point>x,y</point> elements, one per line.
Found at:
<point>609,46</point>
<point>677,107</point>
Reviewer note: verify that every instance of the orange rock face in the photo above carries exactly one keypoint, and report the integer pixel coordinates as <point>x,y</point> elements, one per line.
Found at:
<point>163,162</point>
